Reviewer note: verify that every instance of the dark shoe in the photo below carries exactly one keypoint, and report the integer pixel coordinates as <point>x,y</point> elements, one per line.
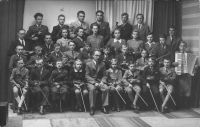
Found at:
<point>118,109</point>
<point>19,110</point>
<point>135,107</point>
<point>41,111</point>
<point>104,110</point>
<point>92,111</point>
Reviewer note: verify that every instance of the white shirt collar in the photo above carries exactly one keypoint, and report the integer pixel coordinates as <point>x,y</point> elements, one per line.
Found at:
<point>94,62</point>
<point>115,40</point>
<point>151,43</point>
<point>75,70</point>
<point>112,71</point>
<point>21,40</point>
<point>38,25</point>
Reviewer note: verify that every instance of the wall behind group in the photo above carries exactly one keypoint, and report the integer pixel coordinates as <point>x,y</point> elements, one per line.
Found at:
<point>51,10</point>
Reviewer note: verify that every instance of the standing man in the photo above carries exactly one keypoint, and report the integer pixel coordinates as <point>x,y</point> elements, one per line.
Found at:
<point>126,28</point>
<point>104,26</point>
<point>173,42</point>
<point>36,32</point>
<point>20,41</point>
<point>95,71</point>
<point>56,33</point>
<point>80,22</point>
<point>141,27</point>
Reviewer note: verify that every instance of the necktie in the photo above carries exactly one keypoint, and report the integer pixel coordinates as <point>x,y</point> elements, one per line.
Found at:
<point>140,26</point>
<point>23,43</point>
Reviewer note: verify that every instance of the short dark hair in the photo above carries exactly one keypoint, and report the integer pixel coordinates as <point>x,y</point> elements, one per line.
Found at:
<point>99,11</point>
<point>71,42</point>
<point>136,31</point>
<point>80,12</point>
<point>163,36</point>
<point>38,14</point>
<point>61,15</point>
<point>47,34</point>
<point>37,47</point>
<point>56,45</point>
<point>167,58</point>
<point>140,14</point>
<point>19,46</point>
<point>117,29</point>
<point>150,34</point>
<point>152,58</point>
<point>125,14</point>
<point>183,42</point>
<point>95,24</point>
<point>96,50</point>
<point>77,29</point>
<point>173,27</point>
<point>20,30</point>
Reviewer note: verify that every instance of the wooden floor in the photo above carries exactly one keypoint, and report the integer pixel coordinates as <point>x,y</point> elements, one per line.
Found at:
<point>126,118</point>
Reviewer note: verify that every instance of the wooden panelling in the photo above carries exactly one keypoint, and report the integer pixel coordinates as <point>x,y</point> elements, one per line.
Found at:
<point>190,21</point>
<point>191,10</point>
<point>190,32</point>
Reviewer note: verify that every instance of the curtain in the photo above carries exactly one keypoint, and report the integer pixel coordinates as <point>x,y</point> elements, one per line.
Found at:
<point>114,8</point>
<point>11,20</point>
<point>166,13</point>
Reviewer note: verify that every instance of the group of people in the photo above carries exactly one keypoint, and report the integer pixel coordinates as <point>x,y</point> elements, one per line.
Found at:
<point>82,62</point>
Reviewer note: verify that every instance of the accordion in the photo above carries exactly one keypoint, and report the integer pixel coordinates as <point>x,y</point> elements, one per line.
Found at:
<point>186,63</point>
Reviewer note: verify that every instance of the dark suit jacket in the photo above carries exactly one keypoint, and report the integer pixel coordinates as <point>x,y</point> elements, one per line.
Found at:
<point>68,58</point>
<point>148,48</point>
<point>46,50</point>
<point>142,32</point>
<point>159,51</point>
<point>31,63</point>
<point>33,30</point>
<point>53,58</point>
<point>94,74</point>
<point>126,31</point>
<point>56,33</point>
<point>148,72</point>
<point>85,56</point>
<point>36,76</point>
<point>11,50</point>
<point>174,46</point>
<point>103,31</point>
<point>13,60</point>
<point>129,58</point>
<point>59,77</point>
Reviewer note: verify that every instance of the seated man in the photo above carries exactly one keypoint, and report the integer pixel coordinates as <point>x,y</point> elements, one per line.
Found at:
<point>95,71</point>
<point>59,86</point>
<point>47,47</point>
<point>38,79</point>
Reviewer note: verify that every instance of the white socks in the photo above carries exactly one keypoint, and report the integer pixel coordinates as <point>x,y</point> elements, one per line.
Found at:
<point>21,101</point>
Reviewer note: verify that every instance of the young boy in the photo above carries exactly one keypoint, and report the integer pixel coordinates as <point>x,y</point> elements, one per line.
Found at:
<point>184,79</point>
<point>114,79</point>
<point>56,33</point>
<point>135,45</point>
<point>86,54</point>
<point>78,83</point>
<point>106,57</point>
<point>14,58</point>
<point>132,81</point>
<point>38,55</point>
<point>59,83</point>
<point>150,44</point>
<point>150,79</point>
<point>80,39</point>
<point>125,57</point>
<point>39,77</point>
<point>64,41</point>
<point>19,79</point>
<point>167,78</point>
<point>70,56</point>
<point>143,61</point>
<point>116,42</point>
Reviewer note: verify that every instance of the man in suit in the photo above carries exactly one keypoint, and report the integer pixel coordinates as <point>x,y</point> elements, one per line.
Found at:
<point>95,72</point>
<point>56,33</point>
<point>48,47</point>
<point>173,42</point>
<point>36,32</point>
<point>20,41</point>
<point>126,28</point>
<point>80,22</point>
<point>104,26</point>
<point>141,27</point>
<point>39,83</point>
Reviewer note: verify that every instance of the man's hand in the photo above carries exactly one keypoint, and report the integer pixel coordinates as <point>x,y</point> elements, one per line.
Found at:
<point>101,84</point>
<point>77,86</point>
<point>96,84</point>
<point>35,38</point>
<point>138,81</point>
<point>50,64</point>
<point>129,85</point>
<point>39,32</point>
<point>148,85</point>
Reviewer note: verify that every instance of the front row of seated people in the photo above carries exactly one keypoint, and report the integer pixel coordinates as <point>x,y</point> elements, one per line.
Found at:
<point>84,74</point>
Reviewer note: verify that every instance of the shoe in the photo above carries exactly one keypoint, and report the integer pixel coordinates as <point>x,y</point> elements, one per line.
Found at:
<point>135,107</point>
<point>92,111</point>
<point>41,111</point>
<point>19,110</point>
<point>162,109</point>
<point>104,110</point>
<point>118,109</point>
